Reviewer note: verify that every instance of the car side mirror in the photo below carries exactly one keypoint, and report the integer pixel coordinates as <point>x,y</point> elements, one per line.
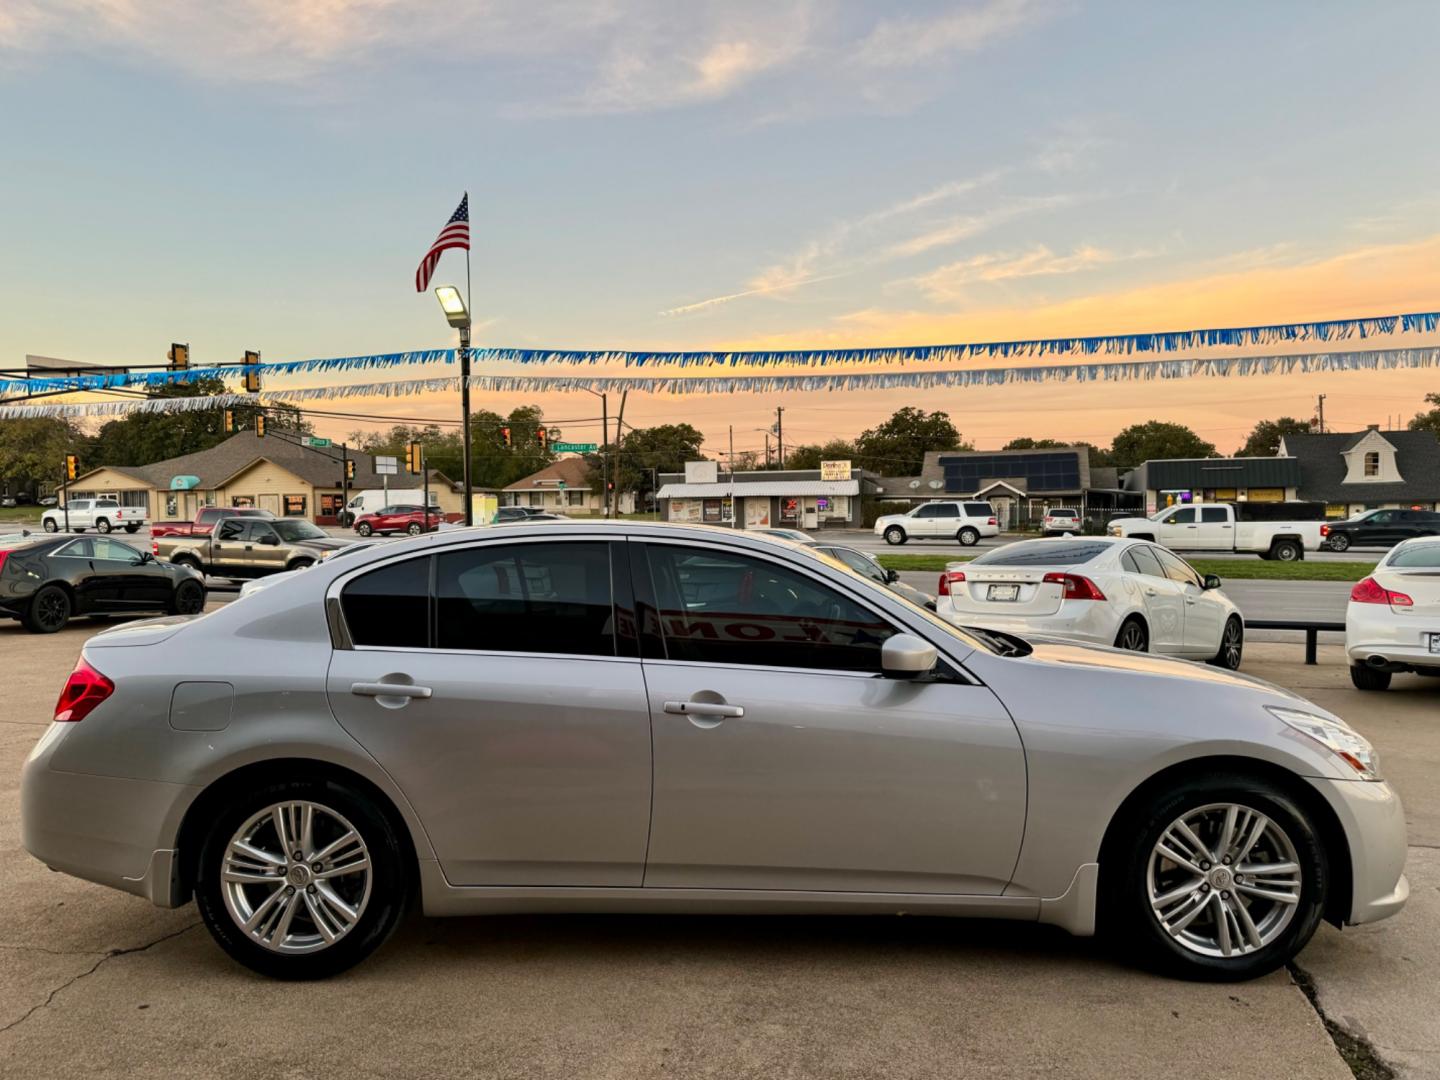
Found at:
<point>892,576</point>
<point>905,656</point>
<point>1212,581</point>
<point>272,541</point>
<point>145,557</point>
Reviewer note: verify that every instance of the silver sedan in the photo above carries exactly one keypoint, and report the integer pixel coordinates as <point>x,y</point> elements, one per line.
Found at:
<point>628,717</point>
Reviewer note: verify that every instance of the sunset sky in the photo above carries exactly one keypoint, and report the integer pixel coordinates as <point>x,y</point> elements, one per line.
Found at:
<point>267,174</point>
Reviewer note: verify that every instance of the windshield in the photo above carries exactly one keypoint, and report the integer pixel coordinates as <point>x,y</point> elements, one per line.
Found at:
<point>1043,553</point>
<point>1420,557</point>
<point>291,531</point>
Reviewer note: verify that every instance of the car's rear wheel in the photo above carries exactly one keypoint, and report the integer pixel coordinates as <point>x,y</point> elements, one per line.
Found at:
<point>1369,678</point>
<point>51,525</point>
<point>102,525</point>
<point>1287,551</point>
<point>132,528</point>
<point>415,528</point>
<point>187,560</point>
<point>364,528</point>
<point>1339,542</point>
<point>49,610</point>
<point>1232,644</point>
<point>968,537</point>
<point>300,564</point>
<point>1133,636</point>
<point>189,598</point>
<point>1220,878</point>
<point>895,535</point>
<point>301,879</point>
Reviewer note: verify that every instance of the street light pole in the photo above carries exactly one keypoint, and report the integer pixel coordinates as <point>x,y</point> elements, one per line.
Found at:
<point>465,417</point>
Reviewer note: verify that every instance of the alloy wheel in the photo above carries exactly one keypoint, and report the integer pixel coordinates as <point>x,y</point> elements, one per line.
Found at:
<point>1339,542</point>
<point>1223,880</point>
<point>296,877</point>
<point>1231,645</point>
<point>52,609</point>
<point>1132,637</point>
<point>189,599</point>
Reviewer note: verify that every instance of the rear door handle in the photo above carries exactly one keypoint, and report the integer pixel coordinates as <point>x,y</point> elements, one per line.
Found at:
<point>703,708</point>
<point>389,689</point>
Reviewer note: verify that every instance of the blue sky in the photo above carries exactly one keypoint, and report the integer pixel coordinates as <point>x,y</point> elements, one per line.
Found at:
<point>267,174</point>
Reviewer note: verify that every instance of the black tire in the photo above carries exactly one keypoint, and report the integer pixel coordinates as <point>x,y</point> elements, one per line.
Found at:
<point>379,913</point>
<point>190,561</point>
<point>300,564</point>
<point>1232,645</point>
<point>188,598</point>
<point>132,528</point>
<point>1129,920</point>
<point>1287,551</point>
<point>968,537</point>
<point>102,525</point>
<point>51,525</point>
<point>1369,678</point>
<point>49,610</point>
<point>1339,542</point>
<point>415,528</point>
<point>895,535</point>
<point>364,528</point>
<point>1133,635</point>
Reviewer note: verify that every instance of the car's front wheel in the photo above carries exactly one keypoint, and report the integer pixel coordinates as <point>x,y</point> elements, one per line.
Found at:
<point>1232,644</point>
<point>415,528</point>
<point>894,535</point>
<point>364,528</point>
<point>1217,878</point>
<point>301,879</point>
<point>51,525</point>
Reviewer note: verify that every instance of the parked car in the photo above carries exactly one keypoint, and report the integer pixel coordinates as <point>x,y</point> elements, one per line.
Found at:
<point>254,585</point>
<point>793,535</point>
<point>965,522</point>
<point>206,518</point>
<point>506,514</point>
<point>868,566</point>
<point>45,581</point>
<point>307,762</point>
<point>1380,528</point>
<point>245,547</point>
<point>1392,622</point>
<point>48,500</point>
<point>1059,520</point>
<point>102,515</point>
<point>1283,531</point>
<point>1131,594</point>
<point>8,501</point>
<point>369,500</point>
<point>406,518</point>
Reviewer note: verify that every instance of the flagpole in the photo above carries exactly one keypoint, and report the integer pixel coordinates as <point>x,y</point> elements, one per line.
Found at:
<point>465,387</point>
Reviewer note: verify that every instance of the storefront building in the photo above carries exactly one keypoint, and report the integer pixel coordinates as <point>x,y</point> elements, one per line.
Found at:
<point>806,499</point>
<point>1195,480</point>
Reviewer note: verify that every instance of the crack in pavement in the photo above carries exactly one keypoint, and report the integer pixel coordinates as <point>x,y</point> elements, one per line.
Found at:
<point>53,952</point>
<point>110,955</point>
<point>1357,1052</point>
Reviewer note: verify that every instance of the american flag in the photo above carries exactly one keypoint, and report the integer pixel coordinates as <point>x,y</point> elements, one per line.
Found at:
<point>455,234</point>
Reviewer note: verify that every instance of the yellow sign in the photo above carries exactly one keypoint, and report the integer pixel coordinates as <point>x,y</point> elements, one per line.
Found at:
<point>834,470</point>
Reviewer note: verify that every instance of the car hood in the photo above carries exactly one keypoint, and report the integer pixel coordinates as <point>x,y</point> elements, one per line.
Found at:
<point>329,544</point>
<point>891,519</point>
<point>1130,521</point>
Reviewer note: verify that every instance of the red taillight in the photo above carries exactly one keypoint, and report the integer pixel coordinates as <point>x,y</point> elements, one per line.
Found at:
<point>3,554</point>
<point>992,521</point>
<point>155,548</point>
<point>1371,591</point>
<point>1076,586</point>
<point>948,578</point>
<point>85,689</point>
<point>1324,530</point>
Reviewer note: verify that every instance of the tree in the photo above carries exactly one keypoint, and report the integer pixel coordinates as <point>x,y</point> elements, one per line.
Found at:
<point>1428,421</point>
<point>1027,443</point>
<point>811,455</point>
<point>1264,440</point>
<point>32,452</point>
<point>1157,439</point>
<point>442,448</point>
<point>644,453</point>
<point>898,446</point>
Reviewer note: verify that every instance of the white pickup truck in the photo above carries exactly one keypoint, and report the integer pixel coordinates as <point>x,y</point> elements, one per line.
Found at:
<point>1283,531</point>
<point>102,515</point>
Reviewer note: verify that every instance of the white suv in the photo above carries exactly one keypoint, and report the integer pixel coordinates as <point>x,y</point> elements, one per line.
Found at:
<point>965,522</point>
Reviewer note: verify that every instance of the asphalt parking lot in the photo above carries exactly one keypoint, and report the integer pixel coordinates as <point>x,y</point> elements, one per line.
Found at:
<point>101,983</point>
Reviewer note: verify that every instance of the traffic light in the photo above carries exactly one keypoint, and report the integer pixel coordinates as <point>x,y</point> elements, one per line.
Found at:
<point>505,437</point>
<point>72,466</point>
<point>415,458</point>
<point>260,425</point>
<point>544,438</point>
<point>349,468</point>
<point>229,421</point>
<point>179,356</point>
<point>252,372</point>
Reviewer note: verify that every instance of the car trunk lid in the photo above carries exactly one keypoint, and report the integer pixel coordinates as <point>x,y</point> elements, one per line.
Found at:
<point>1007,590</point>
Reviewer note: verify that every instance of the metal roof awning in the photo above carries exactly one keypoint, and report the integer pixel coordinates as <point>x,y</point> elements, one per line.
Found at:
<point>764,488</point>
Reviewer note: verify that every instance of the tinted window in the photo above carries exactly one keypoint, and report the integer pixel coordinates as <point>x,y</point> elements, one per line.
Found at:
<point>291,531</point>
<point>257,531</point>
<point>78,549</point>
<point>1176,568</point>
<point>1127,561</point>
<point>1426,556</point>
<point>546,598</point>
<point>390,606</point>
<point>1384,517</point>
<point>1184,517</point>
<point>930,510</point>
<point>230,529</point>
<point>978,509</point>
<point>1043,553</point>
<point>857,562</point>
<point>1213,514</point>
<point>722,608</point>
<point>106,504</point>
<point>1144,557</point>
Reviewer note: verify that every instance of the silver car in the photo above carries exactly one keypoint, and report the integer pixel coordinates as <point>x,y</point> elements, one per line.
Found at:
<point>640,717</point>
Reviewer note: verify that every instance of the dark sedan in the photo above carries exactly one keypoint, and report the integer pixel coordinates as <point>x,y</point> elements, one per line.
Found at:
<point>43,582</point>
<point>1380,528</point>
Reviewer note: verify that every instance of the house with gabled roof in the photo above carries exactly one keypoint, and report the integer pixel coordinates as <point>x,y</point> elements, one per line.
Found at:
<point>1352,472</point>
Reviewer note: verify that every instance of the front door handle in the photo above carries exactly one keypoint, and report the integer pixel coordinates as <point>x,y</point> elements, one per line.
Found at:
<point>703,708</point>
<point>389,689</point>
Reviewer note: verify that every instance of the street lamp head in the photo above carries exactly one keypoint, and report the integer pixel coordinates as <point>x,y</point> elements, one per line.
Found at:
<point>453,305</point>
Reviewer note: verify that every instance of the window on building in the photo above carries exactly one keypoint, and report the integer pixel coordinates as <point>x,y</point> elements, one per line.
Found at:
<point>391,606</point>
<point>242,500</point>
<point>575,498</point>
<point>721,608</point>
<point>1372,463</point>
<point>551,597</point>
<point>294,505</point>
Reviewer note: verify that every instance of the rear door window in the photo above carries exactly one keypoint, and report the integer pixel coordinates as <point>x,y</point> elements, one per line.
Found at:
<point>390,607</point>
<point>1144,558</point>
<point>1176,568</point>
<point>1214,515</point>
<point>230,529</point>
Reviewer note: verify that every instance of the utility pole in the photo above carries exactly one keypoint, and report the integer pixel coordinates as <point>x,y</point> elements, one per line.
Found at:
<point>344,477</point>
<point>767,450</point>
<point>605,451</point>
<point>780,433</point>
<point>619,434</point>
<point>1321,412</point>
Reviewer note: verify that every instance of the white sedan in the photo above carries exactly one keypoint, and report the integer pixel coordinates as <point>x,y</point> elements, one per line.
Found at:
<point>1131,594</point>
<point>1392,622</point>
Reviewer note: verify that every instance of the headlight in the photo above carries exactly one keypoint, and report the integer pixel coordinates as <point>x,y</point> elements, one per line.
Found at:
<point>1340,739</point>
<point>1115,531</point>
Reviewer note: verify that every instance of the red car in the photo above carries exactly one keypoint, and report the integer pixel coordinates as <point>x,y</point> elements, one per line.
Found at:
<point>404,518</point>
